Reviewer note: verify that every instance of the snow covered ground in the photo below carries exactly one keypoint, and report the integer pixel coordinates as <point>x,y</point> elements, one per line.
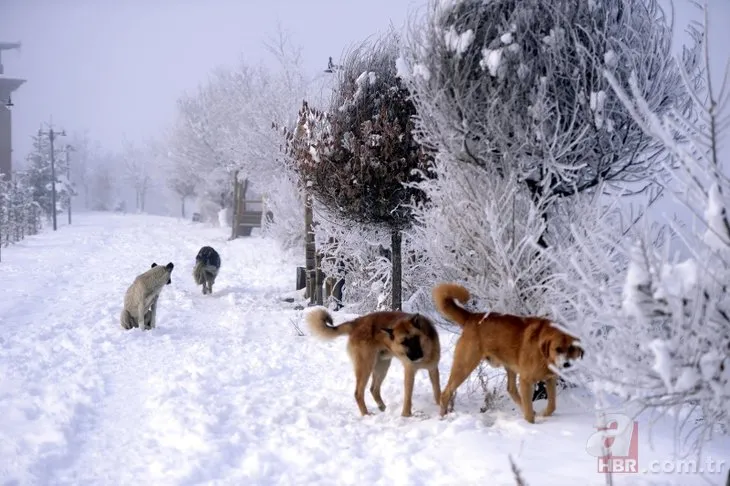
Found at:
<point>225,391</point>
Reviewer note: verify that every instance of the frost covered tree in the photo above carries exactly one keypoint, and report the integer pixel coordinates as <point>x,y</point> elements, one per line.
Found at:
<point>84,161</point>
<point>105,181</point>
<point>39,175</point>
<point>516,87</point>
<point>138,171</point>
<point>225,129</point>
<point>664,317</point>
<point>362,165</point>
<point>183,179</point>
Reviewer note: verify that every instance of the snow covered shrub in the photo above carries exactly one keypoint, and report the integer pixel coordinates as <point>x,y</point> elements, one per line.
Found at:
<point>20,215</point>
<point>665,321</point>
<point>359,165</point>
<point>361,254</point>
<point>481,230</point>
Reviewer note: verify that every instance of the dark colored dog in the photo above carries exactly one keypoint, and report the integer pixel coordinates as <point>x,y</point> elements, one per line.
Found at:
<point>207,264</point>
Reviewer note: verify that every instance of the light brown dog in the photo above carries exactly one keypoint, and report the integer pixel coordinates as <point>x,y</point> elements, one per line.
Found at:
<point>374,339</point>
<point>523,345</point>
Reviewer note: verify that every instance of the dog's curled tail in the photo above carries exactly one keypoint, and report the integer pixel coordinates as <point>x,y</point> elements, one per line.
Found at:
<point>445,296</point>
<point>320,324</point>
<point>198,273</point>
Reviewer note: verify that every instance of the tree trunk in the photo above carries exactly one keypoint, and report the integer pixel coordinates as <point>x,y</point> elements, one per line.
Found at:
<point>183,206</point>
<point>395,240</point>
<point>309,249</point>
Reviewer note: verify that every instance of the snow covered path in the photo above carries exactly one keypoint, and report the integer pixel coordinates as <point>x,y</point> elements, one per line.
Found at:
<point>224,391</point>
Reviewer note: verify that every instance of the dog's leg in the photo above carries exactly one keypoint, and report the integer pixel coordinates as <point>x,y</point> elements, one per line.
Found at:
<point>466,359</point>
<point>153,313</point>
<point>140,315</point>
<point>526,387</point>
<point>551,386</point>
<point>409,376</point>
<point>363,368</point>
<point>512,387</point>
<point>433,374</point>
<point>379,371</point>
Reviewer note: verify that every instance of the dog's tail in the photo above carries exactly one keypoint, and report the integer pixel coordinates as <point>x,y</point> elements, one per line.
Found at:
<point>320,323</point>
<point>199,272</point>
<point>445,296</point>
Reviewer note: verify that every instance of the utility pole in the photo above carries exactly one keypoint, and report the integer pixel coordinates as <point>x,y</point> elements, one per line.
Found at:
<point>52,134</point>
<point>69,148</point>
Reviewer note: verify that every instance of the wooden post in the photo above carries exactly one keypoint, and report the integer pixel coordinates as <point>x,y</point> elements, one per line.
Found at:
<point>395,238</point>
<point>234,216</point>
<point>319,278</point>
<point>309,248</point>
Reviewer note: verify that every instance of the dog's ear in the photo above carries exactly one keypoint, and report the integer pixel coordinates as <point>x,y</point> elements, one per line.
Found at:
<point>153,265</point>
<point>169,267</point>
<point>416,321</point>
<point>389,332</point>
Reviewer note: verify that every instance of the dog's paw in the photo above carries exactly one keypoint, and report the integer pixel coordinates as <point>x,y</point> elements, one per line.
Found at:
<point>547,412</point>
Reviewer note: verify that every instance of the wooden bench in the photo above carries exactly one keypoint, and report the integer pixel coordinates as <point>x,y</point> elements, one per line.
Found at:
<point>248,220</point>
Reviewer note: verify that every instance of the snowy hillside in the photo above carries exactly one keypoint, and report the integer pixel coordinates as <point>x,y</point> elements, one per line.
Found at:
<point>224,391</point>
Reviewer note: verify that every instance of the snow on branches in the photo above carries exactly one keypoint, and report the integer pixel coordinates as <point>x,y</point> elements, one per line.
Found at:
<point>661,306</point>
<point>519,84</point>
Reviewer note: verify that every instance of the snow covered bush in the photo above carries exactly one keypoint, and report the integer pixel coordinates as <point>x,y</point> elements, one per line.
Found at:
<point>20,215</point>
<point>659,308</point>
<point>482,230</point>
<point>361,255</point>
<point>359,167</point>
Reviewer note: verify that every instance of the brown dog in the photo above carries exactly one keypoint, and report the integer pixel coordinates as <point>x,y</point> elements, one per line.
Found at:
<point>374,339</point>
<point>523,345</point>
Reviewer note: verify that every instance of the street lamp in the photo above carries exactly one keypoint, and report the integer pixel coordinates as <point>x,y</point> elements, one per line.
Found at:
<point>332,67</point>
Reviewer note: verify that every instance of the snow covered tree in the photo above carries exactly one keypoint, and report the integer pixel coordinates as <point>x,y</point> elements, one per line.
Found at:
<point>104,181</point>
<point>515,87</point>
<point>362,167</point>
<point>644,308</point>
<point>138,171</point>
<point>183,180</point>
<point>83,163</point>
<point>39,174</point>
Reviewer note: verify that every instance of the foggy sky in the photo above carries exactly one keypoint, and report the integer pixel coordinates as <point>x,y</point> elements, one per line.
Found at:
<point>117,67</point>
